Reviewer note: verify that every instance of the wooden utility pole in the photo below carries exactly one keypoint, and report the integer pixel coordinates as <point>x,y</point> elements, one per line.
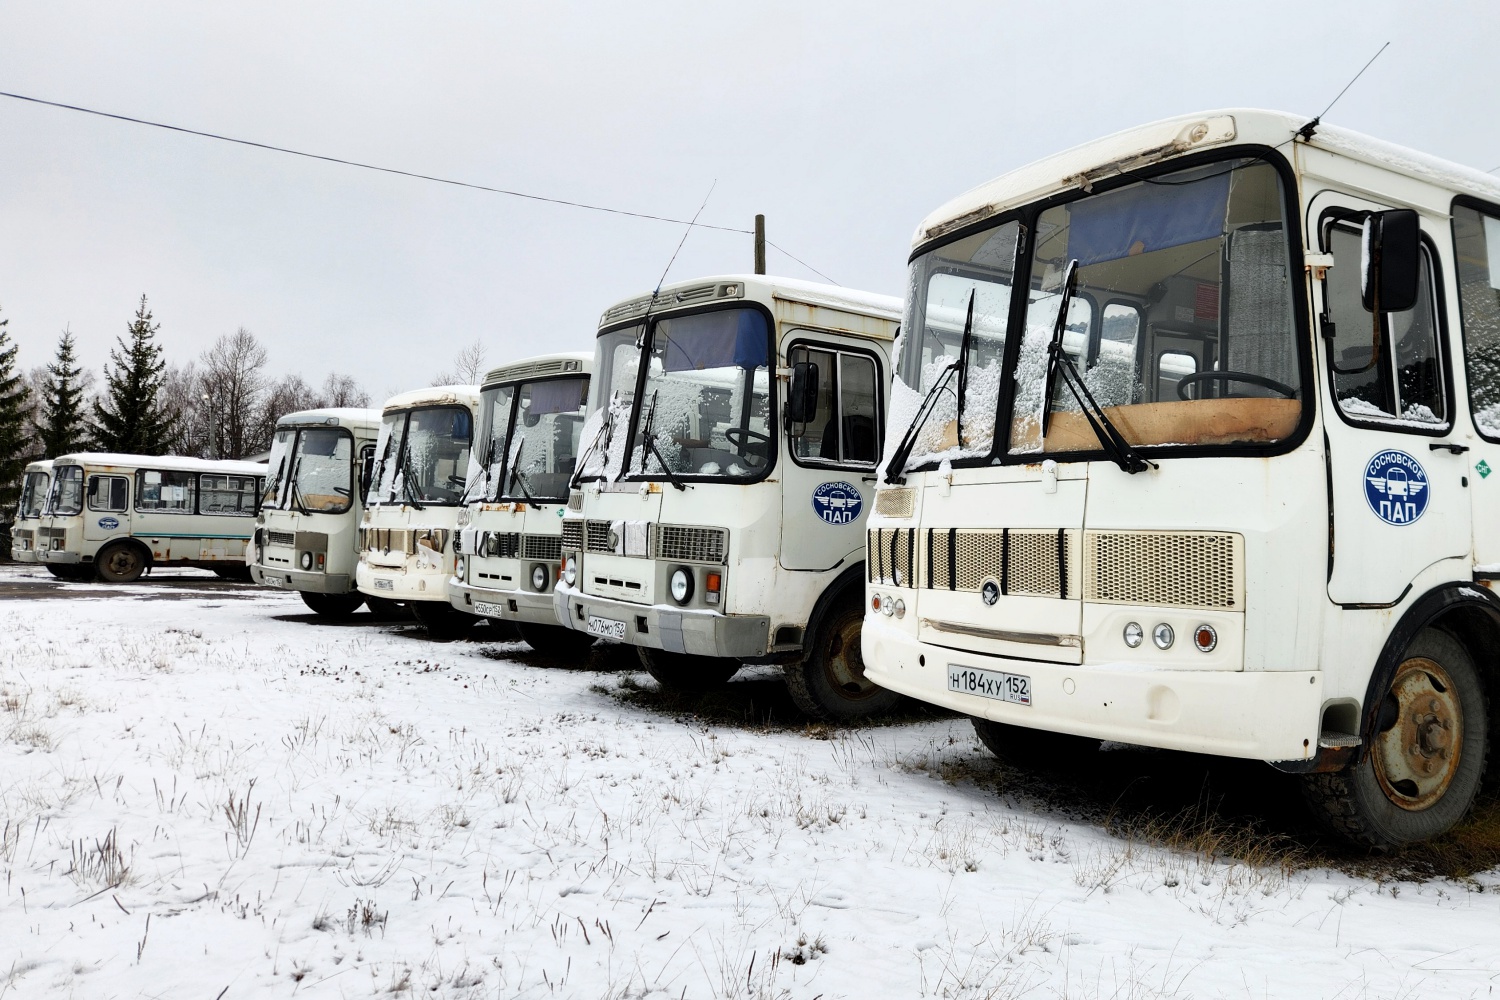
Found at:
<point>760,244</point>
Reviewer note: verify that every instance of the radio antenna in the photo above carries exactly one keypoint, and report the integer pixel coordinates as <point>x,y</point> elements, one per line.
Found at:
<point>1310,129</point>
<point>662,280</point>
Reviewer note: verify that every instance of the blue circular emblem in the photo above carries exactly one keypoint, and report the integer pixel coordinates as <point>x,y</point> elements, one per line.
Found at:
<point>1396,487</point>
<point>109,523</point>
<point>837,503</point>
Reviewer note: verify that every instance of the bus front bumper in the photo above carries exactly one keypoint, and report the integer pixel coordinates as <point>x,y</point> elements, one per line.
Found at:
<point>395,583</point>
<point>508,605</point>
<point>697,632</point>
<point>1259,715</point>
<point>60,556</point>
<point>313,583</point>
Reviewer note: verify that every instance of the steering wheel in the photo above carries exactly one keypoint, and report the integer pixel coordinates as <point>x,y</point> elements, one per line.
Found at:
<point>1252,378</point>
<point>741,437</point>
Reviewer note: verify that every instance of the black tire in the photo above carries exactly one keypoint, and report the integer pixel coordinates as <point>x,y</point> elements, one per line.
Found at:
<point>121,562</point>
<point>66,572</point>
<point>335,606</point>
<point>233,573</point>
<point>829,682</point>
<point>386,609</point>
<point>557,642</point>
<point>686,672</point>
<point>1039,748</point>
<point>443,621</point>
<point>1425,760</point>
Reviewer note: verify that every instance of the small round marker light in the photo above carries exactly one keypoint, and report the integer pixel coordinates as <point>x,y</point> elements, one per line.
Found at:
<point>1163,636</point>
<point>1205,638</point>
<point>875,603</point>
<point>1134,635</point>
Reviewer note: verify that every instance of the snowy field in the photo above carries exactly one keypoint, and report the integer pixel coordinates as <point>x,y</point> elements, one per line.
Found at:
<point>208,794</point>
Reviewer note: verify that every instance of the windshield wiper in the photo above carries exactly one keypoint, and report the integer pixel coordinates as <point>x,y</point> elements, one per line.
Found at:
<point>515,473</point>
<point>895,471</point>
<point>489,457</point>
<point>409,480</point>
<point>293,492</point>
<point>601,440</point>
<point>1059,360</point>
<point>648,434</point>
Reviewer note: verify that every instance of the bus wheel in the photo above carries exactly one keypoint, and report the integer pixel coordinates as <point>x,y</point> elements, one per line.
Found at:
<point>442,621</point>
<point>829,683</point>
<point>121,562</point>
<point>335,606</point>
<point>386,609</point>
<point>1040,748</point>
<point>686,672</point>
<point>66,572</point>
<point>233,573</point>
<point>1425,759</point>
<point>557,642</point>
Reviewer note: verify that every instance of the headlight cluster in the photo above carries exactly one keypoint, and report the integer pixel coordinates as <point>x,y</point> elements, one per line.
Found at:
<point>887,605</point>
<point>570,571</point>
<point>310,560</point>
<point>683,584</point>
<point>1205,636</point>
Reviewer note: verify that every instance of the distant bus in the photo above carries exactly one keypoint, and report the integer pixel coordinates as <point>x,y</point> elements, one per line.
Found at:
<point>307,532</point>
<point>34,484</point>
<point>117,516</point>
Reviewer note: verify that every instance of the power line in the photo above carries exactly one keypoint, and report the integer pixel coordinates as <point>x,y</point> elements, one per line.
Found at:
<point>690,223</point>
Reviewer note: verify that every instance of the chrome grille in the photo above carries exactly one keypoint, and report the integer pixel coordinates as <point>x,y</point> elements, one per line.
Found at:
<point>572,534</point>
<point>1180,569</point>
<point>280,538</point>
<point>598,536</point>
<point>547,547</point>
<point>895,503</point>
<point>680,543</point>
<point>1032,562</point>
<point>890,554</point>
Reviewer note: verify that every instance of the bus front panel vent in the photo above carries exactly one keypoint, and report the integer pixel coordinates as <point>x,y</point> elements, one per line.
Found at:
<point>544,547</point>
<point>1187,569</point>
<point>896,503</point>
<point>685,543</point>
<point>572,534</point>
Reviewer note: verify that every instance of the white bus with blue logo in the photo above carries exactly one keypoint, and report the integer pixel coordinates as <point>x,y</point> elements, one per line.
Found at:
<point>1221,478</point>
<point>727,466</point>
<point>118,516</point>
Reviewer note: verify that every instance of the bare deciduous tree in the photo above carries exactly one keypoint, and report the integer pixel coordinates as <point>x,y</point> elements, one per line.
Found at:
<point>468,366</point>
<point>233,387</point>
<point>342,390</point>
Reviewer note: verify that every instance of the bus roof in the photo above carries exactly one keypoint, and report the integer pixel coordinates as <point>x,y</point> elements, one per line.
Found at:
<point>333,416</point>
<point>166,463</point>
<point>40,465</point>
<point>738,286</point>
<point>1142,145</point>
<point>434,395</point>
<point>542,366</point>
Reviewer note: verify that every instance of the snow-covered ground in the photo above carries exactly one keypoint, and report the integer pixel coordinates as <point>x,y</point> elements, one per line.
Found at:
<point>206,793</point>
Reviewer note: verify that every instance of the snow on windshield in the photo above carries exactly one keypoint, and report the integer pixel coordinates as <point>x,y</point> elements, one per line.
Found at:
<point>324,470</point>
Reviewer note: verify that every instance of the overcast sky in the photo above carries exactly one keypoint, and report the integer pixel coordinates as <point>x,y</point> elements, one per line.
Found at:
<point>844,123</point>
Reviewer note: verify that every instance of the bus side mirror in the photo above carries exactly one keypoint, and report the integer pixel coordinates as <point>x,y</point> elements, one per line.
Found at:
<point>1390,258</point>
<point>802,396</point>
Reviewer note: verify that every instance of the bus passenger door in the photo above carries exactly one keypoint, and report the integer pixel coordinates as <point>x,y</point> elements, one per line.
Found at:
<point>1396,469</point>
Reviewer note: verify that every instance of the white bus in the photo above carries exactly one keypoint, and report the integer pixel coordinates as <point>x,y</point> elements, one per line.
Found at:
<point>725,482</point>
<point>531,417</point>
<point>1237,498</point>
<point>117,516</point>
<point>307,533</point>
<point>35,482</point>
<point>411,509</point>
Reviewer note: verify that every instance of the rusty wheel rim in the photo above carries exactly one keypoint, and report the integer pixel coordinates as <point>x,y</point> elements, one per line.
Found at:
<point>1417,758</point>
<point>844,664</point>
<point>122,562</point>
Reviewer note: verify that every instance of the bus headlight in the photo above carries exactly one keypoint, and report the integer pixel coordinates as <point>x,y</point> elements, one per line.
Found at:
<point>900,606</point>
<point>570,570</point>
<point>682,585</point>
<point>1134,635</point>
<point>540,578</point>
<point>459,568</point>
<point>306,560</point>
<point>887,605</point>
<point>1163,636</point>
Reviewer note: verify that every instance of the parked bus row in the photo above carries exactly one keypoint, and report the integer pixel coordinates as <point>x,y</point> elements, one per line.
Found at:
<point>1186,444</point>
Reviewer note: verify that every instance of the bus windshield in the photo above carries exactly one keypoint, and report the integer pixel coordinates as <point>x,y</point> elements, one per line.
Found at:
<point>617,361</point>
<point>705,409</point>
<point>322,470</point>
<point>529,433</point>
<point>1180,321</point>
<point>279,464</point>
<point>34,494</point>
<point>424,456</point>
<point>67,490</point>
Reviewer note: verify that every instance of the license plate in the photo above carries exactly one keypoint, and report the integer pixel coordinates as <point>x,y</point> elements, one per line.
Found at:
<point>606,627</point>
<point>488,610</point>
<point>995,684</point>
<point>276,581</point>
<point>385,584</point>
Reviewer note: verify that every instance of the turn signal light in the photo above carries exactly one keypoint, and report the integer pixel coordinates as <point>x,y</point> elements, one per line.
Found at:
<point>712,584</point>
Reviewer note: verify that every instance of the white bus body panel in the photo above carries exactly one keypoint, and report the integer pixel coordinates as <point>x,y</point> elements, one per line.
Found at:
<point>23,533</point>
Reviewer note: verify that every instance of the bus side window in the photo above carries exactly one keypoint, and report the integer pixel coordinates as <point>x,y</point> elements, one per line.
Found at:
<point>808,438</point>
<point>226,494</point>
<point>1476,241</point>
<point>1394,374</point>
<point>166,492</point>
<point>366,468</point>
<point>1171,367</point>
<point>108,493</point>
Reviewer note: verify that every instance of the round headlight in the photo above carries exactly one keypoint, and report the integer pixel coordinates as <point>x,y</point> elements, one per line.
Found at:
<point>539,577</point>
<point>1134,634</point>
<point>459,566</point>
<point>682,585</point>
<point>900,608</point>
<point>570,571</point>
<point>1205,638</point>
<point>306,560</point>
<point>887,606</point>
<point>1163,635</point>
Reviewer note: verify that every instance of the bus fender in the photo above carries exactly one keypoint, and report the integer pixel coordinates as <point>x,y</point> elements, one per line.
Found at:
<point>850,580</point>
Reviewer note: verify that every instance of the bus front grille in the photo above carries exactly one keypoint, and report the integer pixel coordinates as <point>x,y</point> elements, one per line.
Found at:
<point>280,538</point>
<point>1188,569</point>
<point>889,555</point>
<point>1033,562</point>
<point>681,543</point>
<point>598,537</point>
<point>572,534</point>
<point>546,547</point>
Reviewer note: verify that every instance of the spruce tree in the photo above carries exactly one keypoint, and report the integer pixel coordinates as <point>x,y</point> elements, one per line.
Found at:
<point>130,418</point>
<point>14,441</point>
<point>61,427</point>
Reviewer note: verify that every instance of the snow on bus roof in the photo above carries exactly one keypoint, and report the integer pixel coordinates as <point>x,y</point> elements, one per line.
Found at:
<point>542,366</point>
<point>40,465</point>
<point>1138,146</point>
<point>433,395</point>
<point>167,463</point>
<point>339,416</point>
